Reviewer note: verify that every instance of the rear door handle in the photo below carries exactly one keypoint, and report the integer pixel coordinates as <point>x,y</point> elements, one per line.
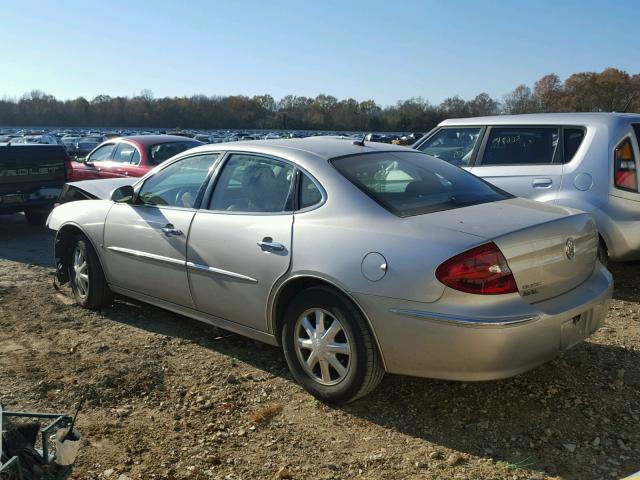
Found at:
<point>542,182</point>
<point>268,245</point>
<point>169,230</point>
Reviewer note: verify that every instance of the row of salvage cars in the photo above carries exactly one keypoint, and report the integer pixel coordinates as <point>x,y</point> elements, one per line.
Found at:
<point>361,258</point>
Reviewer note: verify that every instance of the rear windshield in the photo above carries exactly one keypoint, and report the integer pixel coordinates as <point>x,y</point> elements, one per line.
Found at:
<point>407,183</point>
<point>164,151</point>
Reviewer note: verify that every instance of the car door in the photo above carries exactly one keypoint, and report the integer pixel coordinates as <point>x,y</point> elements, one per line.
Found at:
<point>98,161</point>
<point>240,244</point>
<point>523,160</point>
<point>146,241</point>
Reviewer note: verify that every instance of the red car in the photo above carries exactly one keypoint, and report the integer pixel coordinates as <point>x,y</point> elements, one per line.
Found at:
<point>130,156</point>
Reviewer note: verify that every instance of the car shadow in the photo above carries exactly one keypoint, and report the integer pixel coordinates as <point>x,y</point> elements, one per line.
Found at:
<point>625,277</point>
<point>548,420</point>
<point>24,243</point>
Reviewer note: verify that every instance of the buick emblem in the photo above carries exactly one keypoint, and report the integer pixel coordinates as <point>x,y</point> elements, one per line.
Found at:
<point>570,249</point>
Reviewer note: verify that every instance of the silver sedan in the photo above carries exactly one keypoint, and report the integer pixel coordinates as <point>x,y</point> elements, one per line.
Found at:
<point>356,258</point>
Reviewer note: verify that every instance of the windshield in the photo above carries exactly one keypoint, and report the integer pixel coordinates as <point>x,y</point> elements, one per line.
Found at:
<point>407,183</point>
<point>453,145</point>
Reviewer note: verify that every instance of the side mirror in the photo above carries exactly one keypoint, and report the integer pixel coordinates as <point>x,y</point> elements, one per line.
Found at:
<point>123,194</point>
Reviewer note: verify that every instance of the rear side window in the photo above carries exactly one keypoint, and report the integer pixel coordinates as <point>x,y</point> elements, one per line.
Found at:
<point>521,146</point>
<point>124,153</point>
<point>251,184</point>
<point>572,139</point>
<point>164,151</point>
<point>309,193</point>
<point>453,145</point>
<point>409,184</point>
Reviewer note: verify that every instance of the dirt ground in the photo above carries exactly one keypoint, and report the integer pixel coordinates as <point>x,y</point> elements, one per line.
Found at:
<point>168,397</point>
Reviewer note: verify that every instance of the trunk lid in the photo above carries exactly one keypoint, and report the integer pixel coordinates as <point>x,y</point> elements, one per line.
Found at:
<point>550,250</point>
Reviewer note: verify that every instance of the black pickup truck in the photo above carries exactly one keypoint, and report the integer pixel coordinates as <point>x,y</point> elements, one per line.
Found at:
<point>31,178</point>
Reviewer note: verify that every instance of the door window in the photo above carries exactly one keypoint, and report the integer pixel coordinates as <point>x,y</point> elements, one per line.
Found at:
<point>521,146</point>
<point>178,184</point>
<point>250,183</point>
<point>125,153</point>
<point>454,145</point>
<point>102,154</point>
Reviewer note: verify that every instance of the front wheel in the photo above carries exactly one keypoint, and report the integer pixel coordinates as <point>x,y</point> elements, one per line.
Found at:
<point>329,347</point>
<point>88,282</point>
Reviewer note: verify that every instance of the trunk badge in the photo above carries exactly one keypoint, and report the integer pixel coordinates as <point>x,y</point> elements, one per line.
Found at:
<point>570,249</point>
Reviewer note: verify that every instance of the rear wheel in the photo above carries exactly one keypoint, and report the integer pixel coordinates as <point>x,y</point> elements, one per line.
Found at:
<point>603,252</point>
<point>88,282</point>
<point>37,218</point>
<point>329,347</point>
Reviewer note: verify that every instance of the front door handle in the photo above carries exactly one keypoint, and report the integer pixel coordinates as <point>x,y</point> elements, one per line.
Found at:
<point>169,230</point>
<point>268,245</point>
<point>542,182</point>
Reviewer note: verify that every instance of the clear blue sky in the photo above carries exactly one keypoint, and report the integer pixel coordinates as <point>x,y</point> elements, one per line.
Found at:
<point>382,50</point>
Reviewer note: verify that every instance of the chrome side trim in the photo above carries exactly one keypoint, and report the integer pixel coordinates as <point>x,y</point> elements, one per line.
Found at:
<point>201,316</point>
<point>150,256</point>
<point>219,271</point>
<point>468,321</point>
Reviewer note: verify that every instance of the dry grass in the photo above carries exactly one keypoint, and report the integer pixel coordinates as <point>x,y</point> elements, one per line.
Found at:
<point>265,414</point>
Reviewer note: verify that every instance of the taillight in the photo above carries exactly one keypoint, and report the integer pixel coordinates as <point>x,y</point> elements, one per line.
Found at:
<point>624,166</point>
<point>69,168</point>
<point>482,270</point>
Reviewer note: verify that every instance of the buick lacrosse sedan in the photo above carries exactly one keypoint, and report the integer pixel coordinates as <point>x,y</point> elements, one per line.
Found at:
<point>356,258</point>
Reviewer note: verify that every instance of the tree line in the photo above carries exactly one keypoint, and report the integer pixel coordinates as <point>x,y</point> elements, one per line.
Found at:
<point>606,91</point>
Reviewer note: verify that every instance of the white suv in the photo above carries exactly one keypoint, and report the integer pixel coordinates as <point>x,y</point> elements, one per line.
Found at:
<point>587,161</point>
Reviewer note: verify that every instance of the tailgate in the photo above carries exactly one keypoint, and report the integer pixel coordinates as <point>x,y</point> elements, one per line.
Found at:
<point>31,166</point>
<point>551,258</point>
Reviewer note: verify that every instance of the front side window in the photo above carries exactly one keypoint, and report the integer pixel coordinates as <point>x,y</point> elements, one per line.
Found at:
<point>521,146</point>
<point>125,153</point>
<point>164,151</point>
<point>250,183</point>
<point>178,184</point>
<point>409,184</point>
<point>453,145</point>
<point>102,154</point>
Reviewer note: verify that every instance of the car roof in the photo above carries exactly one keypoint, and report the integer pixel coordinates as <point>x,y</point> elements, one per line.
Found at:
<point>144,141</point>
<point>599,118</point>
<point>323,148</point>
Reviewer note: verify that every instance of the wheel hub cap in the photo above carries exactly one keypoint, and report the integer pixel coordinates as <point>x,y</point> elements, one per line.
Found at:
<point>80,272</point>
<point>322,346</point>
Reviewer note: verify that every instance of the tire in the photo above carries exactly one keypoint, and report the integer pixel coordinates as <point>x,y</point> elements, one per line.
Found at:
<point>362,368</point>
<point>603,253</point>
<point>91,289</point>
<point>36,218</point>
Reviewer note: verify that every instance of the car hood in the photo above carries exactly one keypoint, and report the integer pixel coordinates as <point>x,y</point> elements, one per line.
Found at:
<point>102,188</point>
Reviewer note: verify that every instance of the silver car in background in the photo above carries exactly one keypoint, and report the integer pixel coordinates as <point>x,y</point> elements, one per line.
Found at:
<point>587,161</point>
<point>357,258</point>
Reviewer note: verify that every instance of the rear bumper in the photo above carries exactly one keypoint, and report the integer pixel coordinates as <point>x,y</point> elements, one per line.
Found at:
<point>619,224</point>
<point>426,340</point>
<point>41,199</point>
